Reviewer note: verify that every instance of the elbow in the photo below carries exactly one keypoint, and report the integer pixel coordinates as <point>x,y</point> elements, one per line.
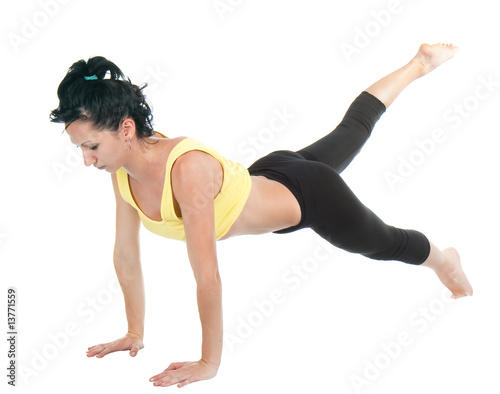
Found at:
<point>208,279</point>
<point>121,256</point>
<point>128,268</point>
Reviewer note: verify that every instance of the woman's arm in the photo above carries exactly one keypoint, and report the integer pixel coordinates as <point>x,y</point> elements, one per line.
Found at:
<point>200,240</point>
<point>128,270</point>
<point>127,262</point>
<point>194,187</point>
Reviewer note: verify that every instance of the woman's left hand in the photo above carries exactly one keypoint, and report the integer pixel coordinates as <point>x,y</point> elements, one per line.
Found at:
<point>184,373</point>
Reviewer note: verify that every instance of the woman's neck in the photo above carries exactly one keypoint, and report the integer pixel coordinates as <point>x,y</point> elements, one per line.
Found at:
<point>146,160</point>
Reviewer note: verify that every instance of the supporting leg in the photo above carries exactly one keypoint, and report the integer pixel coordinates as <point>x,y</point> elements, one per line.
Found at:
<point>446,264</point>
<point>337,215</point>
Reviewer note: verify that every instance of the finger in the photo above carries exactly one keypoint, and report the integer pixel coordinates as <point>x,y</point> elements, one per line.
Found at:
<point>169,380</point>
<point>107,350</point>
<point>175,366</point>
<point>96,346</point>
<point>134,351</point>
<point>163,380</point>
<point>180,380</point>
<point>185,383</point>
<point>95,350</point>
<point>100,344</point>
<point>163,375</point>
<point>172,367</point>
<point>157,377</point>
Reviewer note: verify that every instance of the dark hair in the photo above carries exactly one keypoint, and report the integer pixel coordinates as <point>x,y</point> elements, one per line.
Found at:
<point>86,94</point>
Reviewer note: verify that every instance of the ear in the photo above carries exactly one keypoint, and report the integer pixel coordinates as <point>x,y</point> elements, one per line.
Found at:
<point>128,128</point>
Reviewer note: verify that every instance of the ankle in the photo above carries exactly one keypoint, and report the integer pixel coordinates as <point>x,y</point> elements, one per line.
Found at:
<point>436,259</point>
<point>417,66</point>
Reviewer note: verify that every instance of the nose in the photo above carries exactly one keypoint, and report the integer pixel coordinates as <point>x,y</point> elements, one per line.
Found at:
<point>88,157</point>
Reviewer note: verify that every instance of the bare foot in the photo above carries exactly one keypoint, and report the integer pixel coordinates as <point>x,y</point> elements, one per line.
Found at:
<point>430,57</point>
<point>450,272</point>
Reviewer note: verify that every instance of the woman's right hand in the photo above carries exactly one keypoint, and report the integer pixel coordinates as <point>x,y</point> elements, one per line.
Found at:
<point>130,341</point>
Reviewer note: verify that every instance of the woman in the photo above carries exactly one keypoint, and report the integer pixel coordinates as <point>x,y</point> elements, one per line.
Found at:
<point>182,189</point>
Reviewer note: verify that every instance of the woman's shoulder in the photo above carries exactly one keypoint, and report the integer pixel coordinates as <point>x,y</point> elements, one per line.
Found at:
<point>188,152</point>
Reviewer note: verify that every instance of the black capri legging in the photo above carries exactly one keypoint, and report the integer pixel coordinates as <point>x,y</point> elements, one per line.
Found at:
<point>327,204</point>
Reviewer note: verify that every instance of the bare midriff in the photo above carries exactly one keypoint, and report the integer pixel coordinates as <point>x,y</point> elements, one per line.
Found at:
<point>270,206</point>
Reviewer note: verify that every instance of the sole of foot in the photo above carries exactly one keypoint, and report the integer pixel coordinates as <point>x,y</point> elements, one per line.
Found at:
<point>453,276</point>
<point>432,56</point>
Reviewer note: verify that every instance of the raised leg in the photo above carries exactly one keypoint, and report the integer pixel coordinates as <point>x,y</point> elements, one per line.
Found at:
<point>427,59</point>
<point>338,148</point>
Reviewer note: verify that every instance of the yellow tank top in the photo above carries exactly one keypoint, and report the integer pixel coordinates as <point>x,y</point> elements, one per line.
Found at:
<point>228,204</point>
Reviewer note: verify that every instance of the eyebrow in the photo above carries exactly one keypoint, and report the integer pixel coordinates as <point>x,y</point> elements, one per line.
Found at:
<point>84,143</point>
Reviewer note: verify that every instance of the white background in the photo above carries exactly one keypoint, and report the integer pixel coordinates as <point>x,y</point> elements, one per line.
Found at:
<point>217,75</point>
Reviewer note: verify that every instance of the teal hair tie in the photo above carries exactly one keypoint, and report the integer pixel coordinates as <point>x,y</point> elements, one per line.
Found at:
<point>92,78</point>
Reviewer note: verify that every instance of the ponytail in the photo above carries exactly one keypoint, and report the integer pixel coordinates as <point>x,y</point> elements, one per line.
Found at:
<point>97,91</point>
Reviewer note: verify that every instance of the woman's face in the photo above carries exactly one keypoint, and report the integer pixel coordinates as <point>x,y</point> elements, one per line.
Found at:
<point>104,149</point>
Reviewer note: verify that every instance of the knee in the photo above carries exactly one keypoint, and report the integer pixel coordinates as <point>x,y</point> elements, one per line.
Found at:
<point>408,246</point>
